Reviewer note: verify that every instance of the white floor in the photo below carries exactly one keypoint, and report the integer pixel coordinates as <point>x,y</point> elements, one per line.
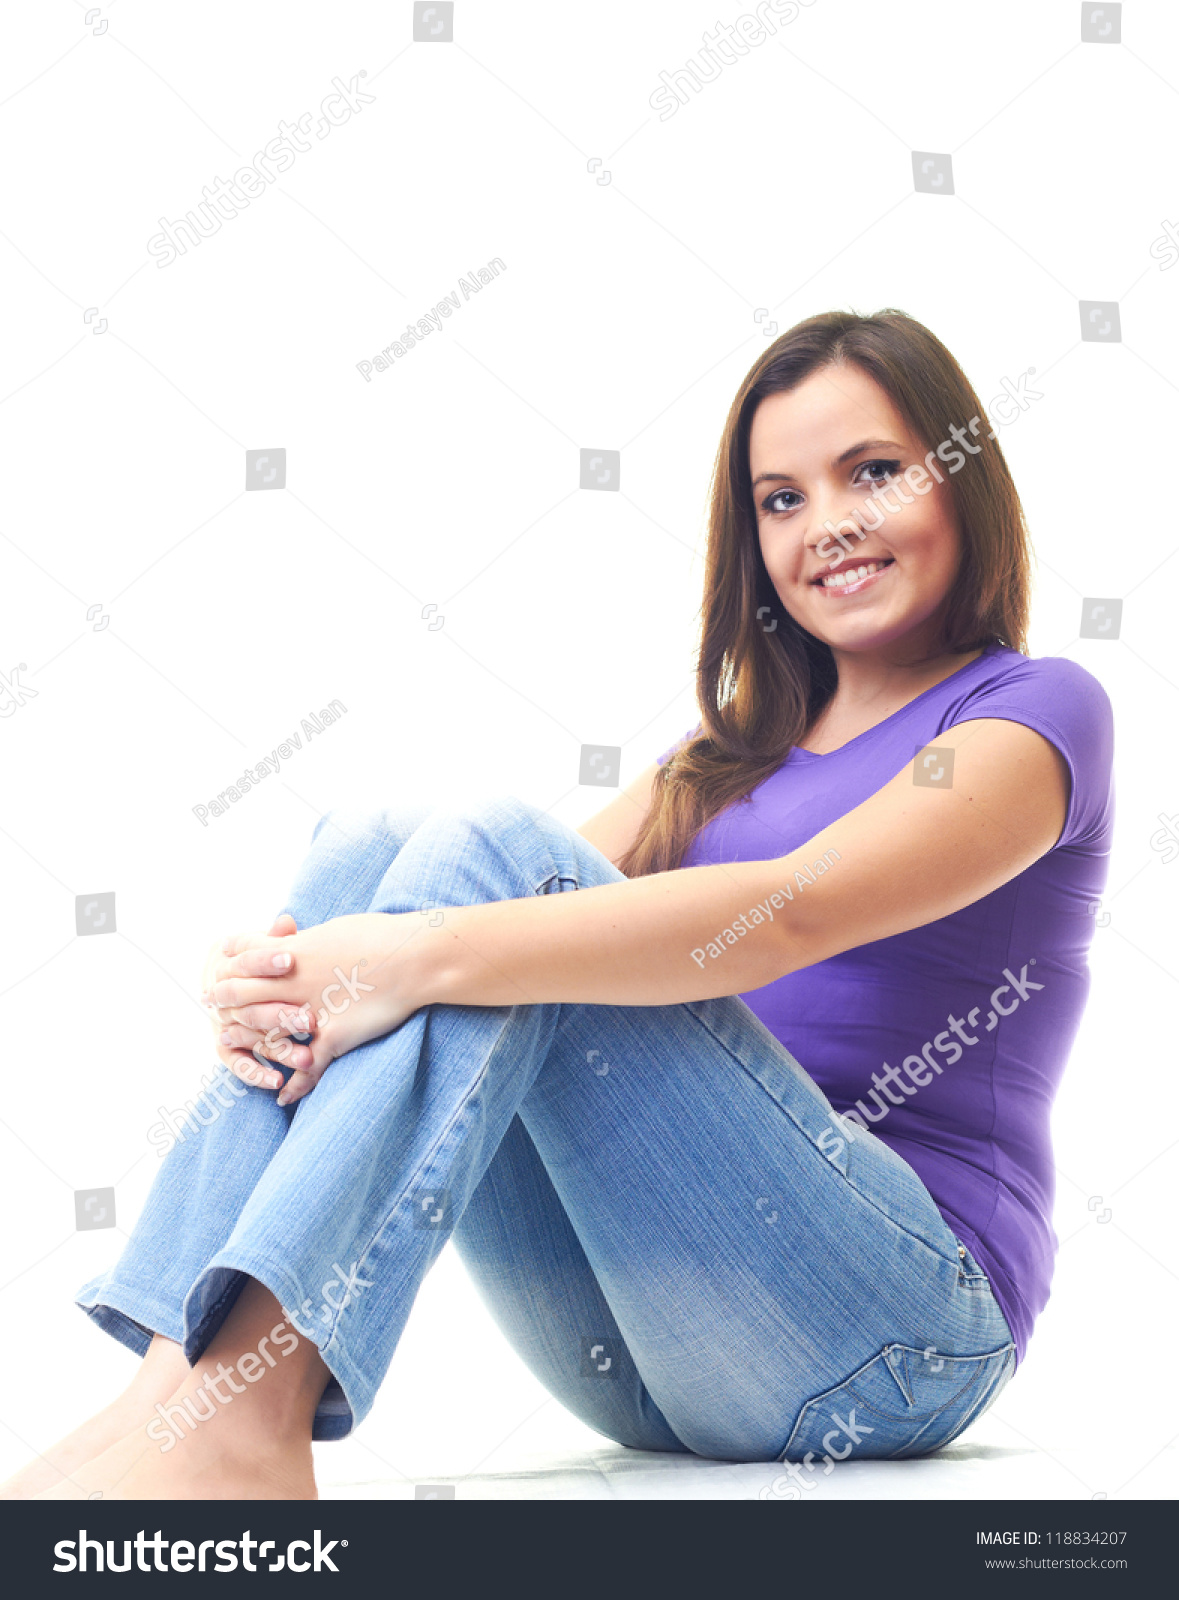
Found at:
<point>1085,1418</point>
<point>992,1462</point>
<point>965,1471</point>
<point>458,1410</point>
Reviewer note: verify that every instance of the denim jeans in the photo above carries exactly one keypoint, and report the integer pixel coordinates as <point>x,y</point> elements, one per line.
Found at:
<point>661,1210</point>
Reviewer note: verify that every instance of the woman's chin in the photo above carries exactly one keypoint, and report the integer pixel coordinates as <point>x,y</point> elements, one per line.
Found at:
<point>861,633</point>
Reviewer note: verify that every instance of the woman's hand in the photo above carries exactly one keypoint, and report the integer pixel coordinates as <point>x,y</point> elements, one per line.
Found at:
<point>344,981</point>
<point>234,1045</point>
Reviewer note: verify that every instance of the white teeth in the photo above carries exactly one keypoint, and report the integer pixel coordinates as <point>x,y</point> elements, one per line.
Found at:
<point>838,580</point>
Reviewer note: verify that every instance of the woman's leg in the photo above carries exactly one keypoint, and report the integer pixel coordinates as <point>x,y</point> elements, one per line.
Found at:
<point>521,1250</point>
<point>223,1148</point>
<point>260,1450</point>
<point>755,1253</point>
<point>222,1144</point>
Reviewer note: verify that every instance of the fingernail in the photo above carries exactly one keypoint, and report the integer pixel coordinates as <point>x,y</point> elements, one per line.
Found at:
<point>281,961</point>
<point>227,1038</point>
<point>284,1099</point>
<point>225,944</point>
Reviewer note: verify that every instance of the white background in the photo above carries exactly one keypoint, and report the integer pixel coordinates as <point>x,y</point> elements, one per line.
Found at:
<point>625,319</point>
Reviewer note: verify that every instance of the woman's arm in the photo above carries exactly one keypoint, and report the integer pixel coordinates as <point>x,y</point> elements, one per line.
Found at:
<point>616,827</point>
<point>906,856</point>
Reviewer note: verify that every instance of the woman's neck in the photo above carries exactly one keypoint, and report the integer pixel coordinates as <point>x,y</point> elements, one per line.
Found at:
<point>865,682</point>
<point>868,691</point>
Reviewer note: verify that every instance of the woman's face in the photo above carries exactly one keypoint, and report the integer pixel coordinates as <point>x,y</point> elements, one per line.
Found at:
<point>829,457</point>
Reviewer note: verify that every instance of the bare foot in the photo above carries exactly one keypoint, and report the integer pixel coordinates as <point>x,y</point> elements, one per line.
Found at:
<point>95,1435</point>
<point>207,1436</point>
<point>162,1371</point>
<point>200,1466</point>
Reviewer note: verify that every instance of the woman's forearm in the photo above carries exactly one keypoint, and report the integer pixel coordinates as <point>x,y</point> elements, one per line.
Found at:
<point>908,855</point>
<point>692,934</point>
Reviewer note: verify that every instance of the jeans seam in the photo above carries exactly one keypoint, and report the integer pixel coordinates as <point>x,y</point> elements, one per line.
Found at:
<point>858,1192</point>
<point>262,1267</point>
<point>473,1088</point>
<point>209,1312</point>
<point>977,1405</point>
<point>556,877</point>
<point>157,1307</point>
<point>882,1355</point>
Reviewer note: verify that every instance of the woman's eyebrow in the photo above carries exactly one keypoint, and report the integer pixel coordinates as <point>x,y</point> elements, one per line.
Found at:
<point>853,450</point>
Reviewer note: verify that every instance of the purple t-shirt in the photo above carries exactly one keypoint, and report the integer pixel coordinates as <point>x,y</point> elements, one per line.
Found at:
<point>973,1118</point>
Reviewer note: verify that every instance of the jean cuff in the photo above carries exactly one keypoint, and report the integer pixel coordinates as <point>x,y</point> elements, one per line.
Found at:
<point>129,1312</point>
<point>209,1302</point>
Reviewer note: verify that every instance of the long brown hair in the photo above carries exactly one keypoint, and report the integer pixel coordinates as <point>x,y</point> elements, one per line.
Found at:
<point>760,687</point>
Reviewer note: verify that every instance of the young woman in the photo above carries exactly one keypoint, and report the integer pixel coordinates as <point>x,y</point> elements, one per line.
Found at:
<point>736,1100</point>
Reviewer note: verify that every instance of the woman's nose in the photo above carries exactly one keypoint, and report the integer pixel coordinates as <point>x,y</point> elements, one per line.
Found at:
<point>835,527</point>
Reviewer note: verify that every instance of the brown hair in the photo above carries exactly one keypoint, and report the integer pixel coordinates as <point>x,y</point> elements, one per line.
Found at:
<point>759,691</point>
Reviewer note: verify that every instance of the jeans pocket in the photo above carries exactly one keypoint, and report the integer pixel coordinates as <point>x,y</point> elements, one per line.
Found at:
<point>905,1401</point>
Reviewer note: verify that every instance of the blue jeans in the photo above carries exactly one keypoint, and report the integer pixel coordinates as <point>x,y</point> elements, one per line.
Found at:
<point>662,1211</point>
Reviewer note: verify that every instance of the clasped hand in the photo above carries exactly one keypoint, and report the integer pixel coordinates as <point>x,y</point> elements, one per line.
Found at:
<point>341,982</point>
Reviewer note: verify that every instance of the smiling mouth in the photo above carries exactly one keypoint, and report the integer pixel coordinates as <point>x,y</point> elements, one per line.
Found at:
<point>853,580</point>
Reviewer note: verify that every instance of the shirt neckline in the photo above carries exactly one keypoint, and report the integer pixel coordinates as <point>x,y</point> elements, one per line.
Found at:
<point>822,755</point>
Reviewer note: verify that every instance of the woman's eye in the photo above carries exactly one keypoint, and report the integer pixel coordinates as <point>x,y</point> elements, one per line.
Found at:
<point>880,473</point>
<point>888,468</point>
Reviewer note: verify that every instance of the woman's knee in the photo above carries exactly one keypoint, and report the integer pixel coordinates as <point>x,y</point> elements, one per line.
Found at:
<point>493,814</point>
<point>356,828</point>
<point>503,828</point>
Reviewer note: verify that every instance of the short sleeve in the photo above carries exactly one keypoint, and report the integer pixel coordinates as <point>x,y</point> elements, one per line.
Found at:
<point>671,750</point>
<point>1069,707</point>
